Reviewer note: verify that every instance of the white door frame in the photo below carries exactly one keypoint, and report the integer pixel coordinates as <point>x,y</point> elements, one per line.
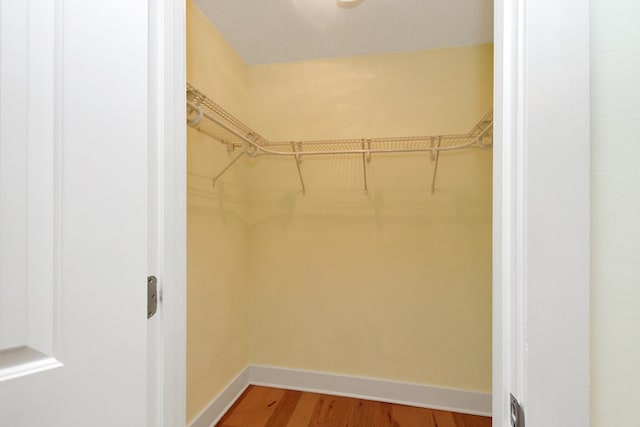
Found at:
<point>167,121</point>
<point>541,209</point>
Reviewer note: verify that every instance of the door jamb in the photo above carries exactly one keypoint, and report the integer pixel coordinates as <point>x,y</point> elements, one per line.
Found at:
<point>507,199</point>
<point>167,83</point>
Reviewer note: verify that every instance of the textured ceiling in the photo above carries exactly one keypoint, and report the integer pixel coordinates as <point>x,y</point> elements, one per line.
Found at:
<point>269,31</point>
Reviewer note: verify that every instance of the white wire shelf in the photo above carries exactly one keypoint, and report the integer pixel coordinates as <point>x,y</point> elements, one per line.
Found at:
<point>213,120</point>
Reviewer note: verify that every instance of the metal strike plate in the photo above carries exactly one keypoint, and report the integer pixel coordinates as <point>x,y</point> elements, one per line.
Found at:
<point>152,296</point>
<point>516,413</point>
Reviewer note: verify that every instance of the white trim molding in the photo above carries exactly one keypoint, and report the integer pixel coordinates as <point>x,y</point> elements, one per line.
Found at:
<point>419,395</point>
<point>424,396</point>
<point>210,415</point>
<point>30,367</point>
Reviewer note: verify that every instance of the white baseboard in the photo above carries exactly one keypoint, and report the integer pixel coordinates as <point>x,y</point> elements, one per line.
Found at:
<point>223,401</point>
<point>466,402</point>
<point>424,396</point>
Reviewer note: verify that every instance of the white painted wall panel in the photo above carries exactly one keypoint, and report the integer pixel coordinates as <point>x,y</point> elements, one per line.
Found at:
<point>556,213</point>
<point>615,209</point>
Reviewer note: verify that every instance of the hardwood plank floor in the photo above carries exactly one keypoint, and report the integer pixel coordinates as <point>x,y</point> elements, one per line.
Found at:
<point>272,407</point>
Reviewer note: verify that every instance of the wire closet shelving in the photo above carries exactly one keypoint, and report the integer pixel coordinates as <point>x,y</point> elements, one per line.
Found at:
<point>236,135</point>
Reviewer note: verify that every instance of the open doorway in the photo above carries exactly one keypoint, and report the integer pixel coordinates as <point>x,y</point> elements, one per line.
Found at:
<point>357,266</point>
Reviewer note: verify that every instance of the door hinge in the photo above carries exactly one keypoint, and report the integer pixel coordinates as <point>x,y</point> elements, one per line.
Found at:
<point>152,296</point>
<point>516,413</point>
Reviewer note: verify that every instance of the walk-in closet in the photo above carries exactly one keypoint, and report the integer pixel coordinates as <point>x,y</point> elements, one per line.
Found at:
<point>339,202</point>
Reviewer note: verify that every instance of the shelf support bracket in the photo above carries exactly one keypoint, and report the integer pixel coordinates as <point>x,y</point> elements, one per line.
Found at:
<point>435,156</point>
<point>365,153</point>
<point>213,184</point>
<point>298,159</point>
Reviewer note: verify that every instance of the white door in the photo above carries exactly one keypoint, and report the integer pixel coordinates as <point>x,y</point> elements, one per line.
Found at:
<point>73,213</point>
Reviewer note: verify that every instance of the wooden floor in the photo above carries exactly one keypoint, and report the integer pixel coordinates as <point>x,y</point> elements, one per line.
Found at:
<point>272,407</point>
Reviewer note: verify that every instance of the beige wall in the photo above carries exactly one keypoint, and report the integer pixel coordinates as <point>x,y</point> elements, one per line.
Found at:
<point>392,285</point>
<point>335,267</point>
<point>216,226</point>
<point>615,247</point>
<point>396,284</point>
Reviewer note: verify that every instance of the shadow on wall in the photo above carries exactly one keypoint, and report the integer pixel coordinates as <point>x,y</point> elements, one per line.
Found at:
<point>399,189</point>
